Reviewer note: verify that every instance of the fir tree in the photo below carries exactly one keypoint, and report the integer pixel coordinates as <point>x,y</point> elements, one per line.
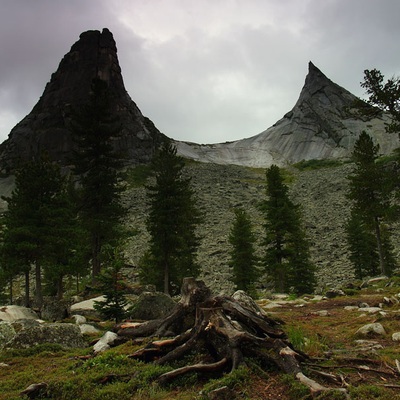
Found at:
<point>287,258</point>
<point>362,245</point>
<point>32,226</point>
<point>113,286</point>
<point>172,222</point>
<point>243,259</point>
<point>371,191</point>
<point>97,166</point>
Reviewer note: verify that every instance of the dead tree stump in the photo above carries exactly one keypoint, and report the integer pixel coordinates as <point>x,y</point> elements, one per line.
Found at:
<point>222,331</point>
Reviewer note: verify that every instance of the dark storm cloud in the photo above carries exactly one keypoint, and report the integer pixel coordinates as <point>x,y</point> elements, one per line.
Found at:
<point>204,71</point>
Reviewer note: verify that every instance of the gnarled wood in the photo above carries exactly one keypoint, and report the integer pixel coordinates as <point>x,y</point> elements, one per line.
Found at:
<point>221,330</point>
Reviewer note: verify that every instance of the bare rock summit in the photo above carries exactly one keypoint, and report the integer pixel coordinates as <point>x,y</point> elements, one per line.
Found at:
<point>47,126</point>
<point>323,124</point>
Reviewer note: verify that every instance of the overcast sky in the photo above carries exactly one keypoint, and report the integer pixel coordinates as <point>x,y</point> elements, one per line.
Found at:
<point>205,71</point>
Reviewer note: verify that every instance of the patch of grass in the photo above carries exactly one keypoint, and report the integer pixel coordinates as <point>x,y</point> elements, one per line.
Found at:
<point>296,390</point>
<point>307,165</point>
<point>370,392</point>
<point>237,379</point>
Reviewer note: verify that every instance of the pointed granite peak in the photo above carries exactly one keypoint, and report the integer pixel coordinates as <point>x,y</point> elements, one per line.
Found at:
<point>47,126</point>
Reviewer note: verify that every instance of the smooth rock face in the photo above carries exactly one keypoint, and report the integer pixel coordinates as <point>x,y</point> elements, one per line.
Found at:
<point>323,124</point>
<point>13,313</point>
<point>47,126</point>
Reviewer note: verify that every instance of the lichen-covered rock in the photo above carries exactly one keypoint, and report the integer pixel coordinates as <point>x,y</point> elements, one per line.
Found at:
<point>375,329</point>
<point>54,309</point>
<point>150,306</point>
<point>7,332</point>
<point>31,333</point>
<point>247,301</point>
<point>87,329</point>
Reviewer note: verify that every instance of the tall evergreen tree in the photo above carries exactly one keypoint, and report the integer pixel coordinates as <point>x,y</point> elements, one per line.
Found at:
<point>385,95</point>
<point>287,258</point>
<point>242,256</point>
<point>31,223</point>
<point>98,166</point>
<point>362,245</point>
<point>172,222</point>
<point>371,191</point>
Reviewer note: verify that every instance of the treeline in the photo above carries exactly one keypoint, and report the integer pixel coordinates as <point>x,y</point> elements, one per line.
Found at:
<point>69,227</point>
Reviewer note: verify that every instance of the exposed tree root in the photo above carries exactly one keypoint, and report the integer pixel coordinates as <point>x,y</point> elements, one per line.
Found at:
<point>223,331</point>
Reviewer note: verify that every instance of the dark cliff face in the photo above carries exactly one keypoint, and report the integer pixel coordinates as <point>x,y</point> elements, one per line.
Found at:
<point>47,126</point>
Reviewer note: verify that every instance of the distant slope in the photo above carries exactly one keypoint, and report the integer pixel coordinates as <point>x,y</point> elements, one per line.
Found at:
<point>323,124</point>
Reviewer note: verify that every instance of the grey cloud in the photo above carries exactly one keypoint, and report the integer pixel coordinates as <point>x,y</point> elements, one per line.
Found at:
<point>204,71</point>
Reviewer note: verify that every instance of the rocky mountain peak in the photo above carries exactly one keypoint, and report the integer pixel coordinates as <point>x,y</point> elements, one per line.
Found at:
<point>47,126</point>
<point>324,123</point>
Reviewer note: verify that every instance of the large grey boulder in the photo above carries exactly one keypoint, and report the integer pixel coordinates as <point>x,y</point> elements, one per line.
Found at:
<point>86,307</point>
<point>13,313</point>
<point>152,306</point>
<point>375,329</point>
<point>28,333</point>
<point>54,309</point>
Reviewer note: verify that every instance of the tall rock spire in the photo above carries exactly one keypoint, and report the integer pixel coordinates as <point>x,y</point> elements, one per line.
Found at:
<point>323,124</point>
<point>47,126</point>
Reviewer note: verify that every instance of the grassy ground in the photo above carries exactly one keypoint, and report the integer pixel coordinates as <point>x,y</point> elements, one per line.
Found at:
<point>327,336</point>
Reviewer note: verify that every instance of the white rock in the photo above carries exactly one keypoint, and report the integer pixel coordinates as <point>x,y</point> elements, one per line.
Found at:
<point>104,342</point>
<point>87,329</point>
<point>375,328</point>
<point>396,337</point>
<point>87,304</point>
<point>371,310</point>
<point>12,313</point>
<point>351,308</point>
<point>79,319</point>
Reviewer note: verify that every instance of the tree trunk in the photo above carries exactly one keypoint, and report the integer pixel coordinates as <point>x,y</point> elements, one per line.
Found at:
<point>96,263</point>
<point>380,246</point>
<point>11,290</point>
<point>27,288</point>
<point>60,288</point>
<point>166,278</point>
<point>38,282</point>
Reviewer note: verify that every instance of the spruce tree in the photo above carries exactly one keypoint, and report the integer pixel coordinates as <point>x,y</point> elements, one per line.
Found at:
<point>172,221</point>
<point>362,245</point>
<point>32,233</point>
<point>243,260</point>
<point>371,190</point>
<point>287,258</point>
<point>97,166</point>
<point>113,286</point>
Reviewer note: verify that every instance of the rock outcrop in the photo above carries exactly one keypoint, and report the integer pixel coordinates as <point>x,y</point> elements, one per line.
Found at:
<point>47,127</point>
<point>323,124</point>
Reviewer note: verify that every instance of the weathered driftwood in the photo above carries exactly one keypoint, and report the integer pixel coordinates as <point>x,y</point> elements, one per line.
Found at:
<point>220,329</point>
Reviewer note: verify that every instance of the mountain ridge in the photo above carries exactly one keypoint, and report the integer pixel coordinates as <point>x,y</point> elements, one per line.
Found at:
<point>324,123</point>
